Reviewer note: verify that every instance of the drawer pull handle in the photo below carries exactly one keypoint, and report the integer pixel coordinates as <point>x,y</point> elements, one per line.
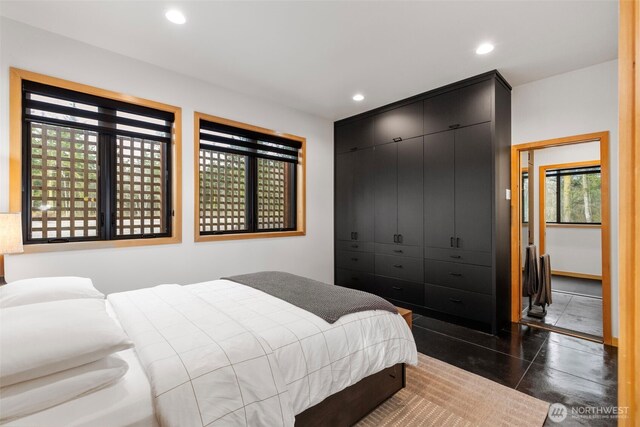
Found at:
<point>398,251</point>
<point>354,259</point>
<point>396,288</point>
<point>397,265</point>
<point>457,301</point>
<point>455,256</point>
<point>355,246</point>
<point>398,139</point>
<point>353,148</point>
<point>457,125</point>
<point>456,274</point>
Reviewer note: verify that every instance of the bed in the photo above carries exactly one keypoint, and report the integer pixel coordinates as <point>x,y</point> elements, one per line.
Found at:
<point>222,353</point>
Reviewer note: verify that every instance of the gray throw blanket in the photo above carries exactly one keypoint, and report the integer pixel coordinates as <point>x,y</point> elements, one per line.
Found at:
<point>326,301</point>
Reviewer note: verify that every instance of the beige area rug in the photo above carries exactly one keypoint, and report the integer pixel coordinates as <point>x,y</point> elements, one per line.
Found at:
<point>439,394</point>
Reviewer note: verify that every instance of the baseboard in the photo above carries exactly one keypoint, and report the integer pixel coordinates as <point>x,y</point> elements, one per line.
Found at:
<point>577,275</point>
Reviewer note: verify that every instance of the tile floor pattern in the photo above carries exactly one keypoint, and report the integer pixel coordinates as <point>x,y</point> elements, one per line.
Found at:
<point>574,312</point>
<point>543,364</point>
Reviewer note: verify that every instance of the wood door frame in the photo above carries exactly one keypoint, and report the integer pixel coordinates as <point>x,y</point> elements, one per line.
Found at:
<point>516,231</point>
<point>629,242</point>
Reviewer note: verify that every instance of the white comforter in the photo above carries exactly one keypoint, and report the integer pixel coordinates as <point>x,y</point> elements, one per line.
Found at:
<point>220,353</point>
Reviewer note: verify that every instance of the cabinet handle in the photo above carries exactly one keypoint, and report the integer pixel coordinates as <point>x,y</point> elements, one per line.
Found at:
<point>356,234</point>
<point>455,256</point>
<point>397,265</point>
<point>398,139</point>
<point>457,301</point>
<point>457,242</point>
<point>396,288</point>
<point>395,238</point>
<point>355,246</point>
<point>354,259</point>
<point>353,148</point>
<point>457,125</point>
<point>451,241</point>
<point>456,274</point>
<point>399,238</point>
<point>398,251</point>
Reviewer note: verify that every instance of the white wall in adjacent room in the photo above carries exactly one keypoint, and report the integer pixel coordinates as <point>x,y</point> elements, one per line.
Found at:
<point>578,102</point>
<point>129,268</point>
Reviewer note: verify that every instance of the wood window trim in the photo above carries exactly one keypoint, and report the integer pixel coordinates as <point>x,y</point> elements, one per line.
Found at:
<point>542,175</point>
<point>15,159</point>
<point>516,262</point>
<point>301,176</point>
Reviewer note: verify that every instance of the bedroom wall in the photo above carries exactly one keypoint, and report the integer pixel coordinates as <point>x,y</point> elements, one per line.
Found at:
<point>121,269</point>
<point>573,103</point>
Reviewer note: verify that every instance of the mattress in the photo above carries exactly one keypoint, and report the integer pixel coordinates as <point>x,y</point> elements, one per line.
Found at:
<point>127,402</point>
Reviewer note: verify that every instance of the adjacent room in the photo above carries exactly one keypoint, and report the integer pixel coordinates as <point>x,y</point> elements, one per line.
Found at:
<point>319,213</point>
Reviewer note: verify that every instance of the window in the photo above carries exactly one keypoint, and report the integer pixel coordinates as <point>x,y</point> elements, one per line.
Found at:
<point>525,196</point>
<point>250,181</point>
<point>573,195</point>
<point>94,168</point>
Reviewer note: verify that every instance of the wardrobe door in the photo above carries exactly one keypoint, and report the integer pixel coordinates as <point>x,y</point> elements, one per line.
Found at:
<point>439,190</point>
<point>474,103</point>
<point>344,208</point>
<point>440,112</point>
<point>386,193</point>
<point>354,135</point>
<point>410,192</point>
<point>473,195</point>
<point>397,124</point>
<point>362,195</point>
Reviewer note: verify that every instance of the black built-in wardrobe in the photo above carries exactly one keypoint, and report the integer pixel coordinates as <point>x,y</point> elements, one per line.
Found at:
<point>421,202</point>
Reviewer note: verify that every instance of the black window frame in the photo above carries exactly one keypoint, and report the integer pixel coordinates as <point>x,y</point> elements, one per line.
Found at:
<point>574,171</point>
<point>107,149</point>
<point>253,145</point>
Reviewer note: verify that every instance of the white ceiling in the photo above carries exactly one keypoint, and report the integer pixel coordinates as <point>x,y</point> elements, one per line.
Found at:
<point>313,56</point>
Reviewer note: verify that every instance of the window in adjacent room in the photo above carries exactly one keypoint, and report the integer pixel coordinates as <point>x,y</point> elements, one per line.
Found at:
<point>93,168</point>
<point>250,181</point>
<point>525,196</point>
<point>573,195</point>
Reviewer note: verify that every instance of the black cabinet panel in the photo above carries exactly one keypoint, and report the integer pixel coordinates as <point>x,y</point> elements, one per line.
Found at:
<point>439,189</point>
<point>473,188</point>
<point>356,280</point>
<point>358,261</point>
<point>399,250</point>
<point>386,193</point>
<point>350,245</point>
<point>475,103</point>
<point>354,135</point>
<point>440,112</point>
<point>467,277</point>
<point>458,255</point>
<point>354,196</point>
<point>410,192</point>
<point>459,303</point>
<point>404,268</point>
<point>400,290</point>
<point>400,123</point>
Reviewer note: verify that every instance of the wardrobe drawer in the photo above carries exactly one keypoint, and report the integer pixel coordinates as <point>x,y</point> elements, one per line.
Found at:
<point>351,245</point>
<point>404,268</point>
<point>457,255</point>
<point>399,250</point>
<point>356,280</point>
<point>400,290</point>
<point>466,277</point>
<point>355,261</point>
<point>468,305</point>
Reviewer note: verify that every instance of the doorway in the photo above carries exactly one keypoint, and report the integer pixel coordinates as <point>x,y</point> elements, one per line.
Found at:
<point>561,209</point>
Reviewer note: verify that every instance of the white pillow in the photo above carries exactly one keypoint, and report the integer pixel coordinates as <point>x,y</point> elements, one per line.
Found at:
<point>32,291</point>
<point>41,339</point>
<point>28,397</point>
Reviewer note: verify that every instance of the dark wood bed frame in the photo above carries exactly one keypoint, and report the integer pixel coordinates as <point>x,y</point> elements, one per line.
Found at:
<point>348,406</point>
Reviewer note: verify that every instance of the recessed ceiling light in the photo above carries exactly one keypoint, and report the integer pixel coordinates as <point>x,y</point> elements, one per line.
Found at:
<point>358,97</point>
<point>175,16</point>
<point>484,48</point>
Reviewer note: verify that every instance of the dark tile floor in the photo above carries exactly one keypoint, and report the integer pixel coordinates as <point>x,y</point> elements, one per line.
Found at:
<point>574,312</point>
<point>543,364</point>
